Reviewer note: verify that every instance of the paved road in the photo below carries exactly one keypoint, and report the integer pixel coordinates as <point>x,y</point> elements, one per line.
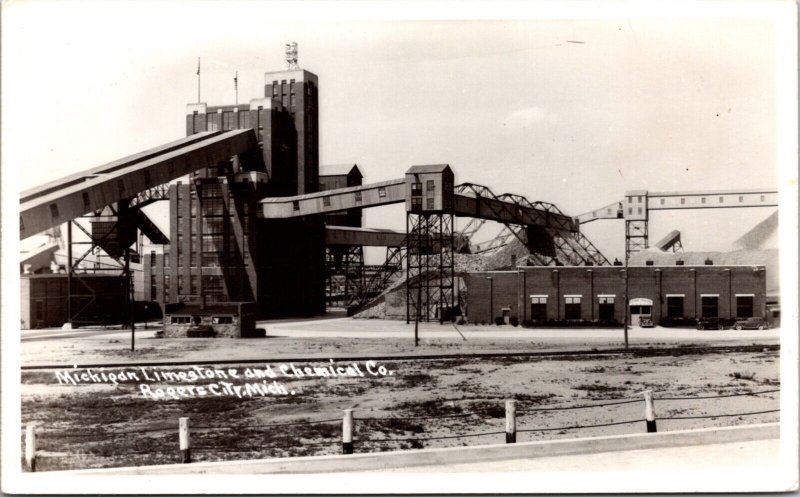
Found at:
<point>730,467</point>
<point>343,327</point>
<point>58,333</point>
<point>375,328</point>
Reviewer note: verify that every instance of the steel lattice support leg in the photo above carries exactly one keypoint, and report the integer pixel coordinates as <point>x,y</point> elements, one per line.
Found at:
<point>636,238</point>
<point>430,268</point>
<point>353,265</point>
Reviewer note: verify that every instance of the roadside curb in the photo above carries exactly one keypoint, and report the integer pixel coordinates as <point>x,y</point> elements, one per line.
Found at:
<point>456,455</point>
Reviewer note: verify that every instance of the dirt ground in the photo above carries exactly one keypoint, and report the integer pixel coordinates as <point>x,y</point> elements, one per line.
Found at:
<point>104,425</point>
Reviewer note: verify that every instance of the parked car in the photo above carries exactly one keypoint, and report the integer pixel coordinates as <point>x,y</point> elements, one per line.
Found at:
<point>200,331</point>
<point>752,324</point>
<point>714,323</point>
<point>646,322</point>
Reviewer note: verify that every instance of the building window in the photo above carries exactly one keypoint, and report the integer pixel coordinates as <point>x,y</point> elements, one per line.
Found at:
<point>762,198</point>
<point>381,192</point>
<point>606,307</point>
<point>193,285</point>
<point>296,205</point>
<point>702,200</point>
<point>630,210</point>
<point>710,306</point>
<point>358,196</point>
<point>153,292</point>
<point>741,199</point>
<point>640,210</point>
<point>630,200</point>
<point>213,206</point>
<point>291,86</point>
<point>227,121</point>
<point>212,124</point>
<point>721,200</point>
<point>572,307</point>
<point>744,306</point>
<point>152,259</point>
<point>275,88</point>
<point>326,201</point>
<point>429,203</point>
<point>180,320</point>
<point>196,128</point>
<point>416,189</point>
<point>180,284</point>
<point>539,307</point>
<point>675,306</point>
<point>683,201</point>
<point>662,201</point>
<point>214,288</point>
<point>222,320</point>
<point>639,199</point>
<point>244,119</point>
<point>430,185</point>
<point>416,203</point>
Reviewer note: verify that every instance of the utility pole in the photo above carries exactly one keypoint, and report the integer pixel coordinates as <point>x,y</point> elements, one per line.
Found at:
<point>129,282</point>
<point>419,309</point>
<point>69,273</point>
<point>627,308</point>
<point>491,299</point>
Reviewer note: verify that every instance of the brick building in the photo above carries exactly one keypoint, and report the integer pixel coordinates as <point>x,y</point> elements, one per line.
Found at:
<point>567,293</point>
<point>220,251</point>
<point>96,299</point>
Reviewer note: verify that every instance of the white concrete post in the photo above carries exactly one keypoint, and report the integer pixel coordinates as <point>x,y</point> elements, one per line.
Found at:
<point>649,411</point>
<point>347,432</point>
<point>511,421</point>
<point>183,438</point>
<point>30,448</point>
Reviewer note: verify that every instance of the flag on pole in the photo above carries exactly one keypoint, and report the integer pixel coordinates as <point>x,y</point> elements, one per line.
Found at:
<point>198,66</point>
<point>236,81</point>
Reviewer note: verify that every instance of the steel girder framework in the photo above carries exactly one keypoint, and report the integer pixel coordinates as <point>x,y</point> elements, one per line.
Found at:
<point>345,273</point>
<point>572,246</point>
<point>150,195</point>
<point>78,302</point>
<point>636,238</point>
<point>430,266</point>
<point>480,191</point>
<point>380,276</point>
<point>352,284</point>
<point>461,243</point>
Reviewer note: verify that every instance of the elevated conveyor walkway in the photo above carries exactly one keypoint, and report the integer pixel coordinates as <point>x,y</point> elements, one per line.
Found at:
<point>66,199</point>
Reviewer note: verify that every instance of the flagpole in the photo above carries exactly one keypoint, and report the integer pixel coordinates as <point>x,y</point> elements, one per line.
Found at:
<point>198,80</point>
<point>236,86</point>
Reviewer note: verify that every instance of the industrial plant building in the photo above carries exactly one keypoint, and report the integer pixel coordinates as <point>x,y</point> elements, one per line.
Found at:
<point>257,229</point>
<point>553,294</point>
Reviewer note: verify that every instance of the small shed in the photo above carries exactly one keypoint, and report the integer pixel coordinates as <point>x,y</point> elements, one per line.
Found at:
<point>230,320</point>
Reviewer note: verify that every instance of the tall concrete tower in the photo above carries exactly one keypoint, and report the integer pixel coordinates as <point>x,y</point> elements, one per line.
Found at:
<point>297,91</point>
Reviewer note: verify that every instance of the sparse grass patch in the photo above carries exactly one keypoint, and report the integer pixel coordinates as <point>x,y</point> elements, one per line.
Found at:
<point>743,375</point>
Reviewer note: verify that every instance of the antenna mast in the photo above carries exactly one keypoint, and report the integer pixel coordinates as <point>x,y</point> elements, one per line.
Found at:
<point>291,56</point>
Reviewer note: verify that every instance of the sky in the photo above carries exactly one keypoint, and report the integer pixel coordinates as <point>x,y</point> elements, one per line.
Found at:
<point>573,108</point>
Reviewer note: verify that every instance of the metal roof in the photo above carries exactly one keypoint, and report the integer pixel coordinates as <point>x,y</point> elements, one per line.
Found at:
<point>431,168</point>
<point>339,170</point>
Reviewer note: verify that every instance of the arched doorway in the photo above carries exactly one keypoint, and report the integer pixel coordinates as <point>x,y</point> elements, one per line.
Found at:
<point>638,308</point>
